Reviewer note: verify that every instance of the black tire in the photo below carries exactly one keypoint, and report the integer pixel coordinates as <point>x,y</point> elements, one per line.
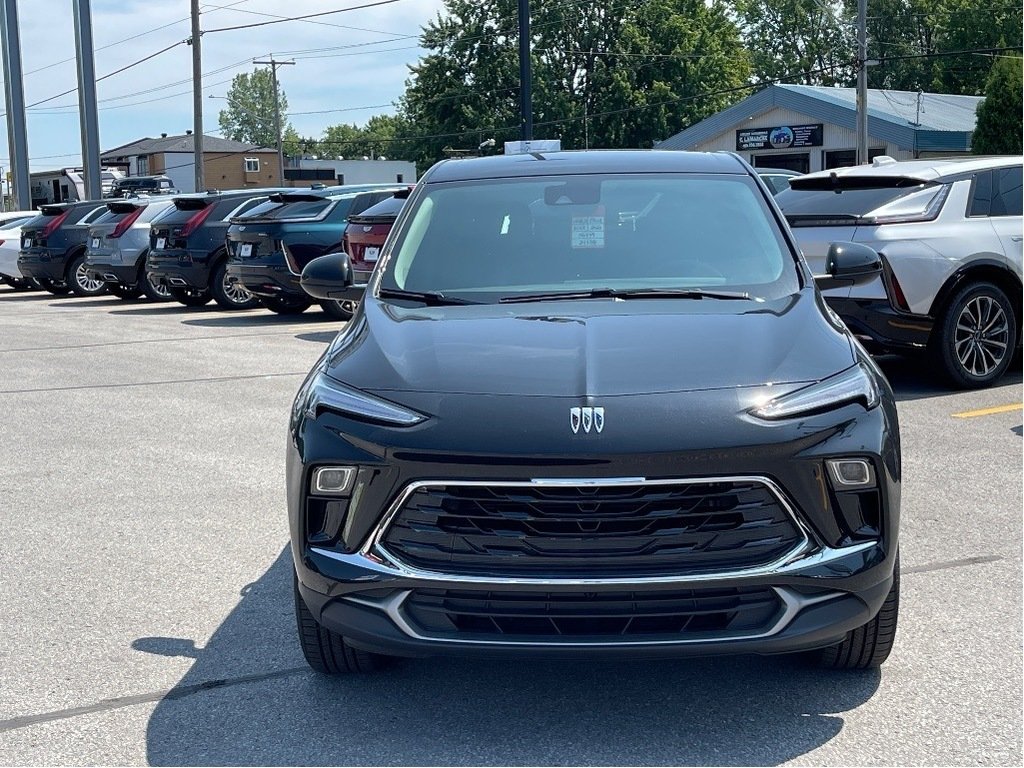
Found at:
<point>229,295</point>
<point>283,306</point>
<point>154,291</point>
<point>975,338</point>
<point>190,297</point>
<point>339,310</point>
<point>326,651</point>
<point>79,282</point>
<point>50,286</point>
<point>124,291</point>
<point>866,647</point>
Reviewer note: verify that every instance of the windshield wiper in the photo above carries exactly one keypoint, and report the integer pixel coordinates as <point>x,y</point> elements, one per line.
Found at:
<point>630,293</point>
<point>430,298</point>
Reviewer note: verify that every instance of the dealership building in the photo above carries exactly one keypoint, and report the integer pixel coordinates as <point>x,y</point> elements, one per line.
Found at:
<point>810,128</point>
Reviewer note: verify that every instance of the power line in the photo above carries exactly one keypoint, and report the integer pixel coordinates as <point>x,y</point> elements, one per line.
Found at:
<point>308,21</point>
<point>109,74</point>
<point>133,37</point>
<point>301,18</point>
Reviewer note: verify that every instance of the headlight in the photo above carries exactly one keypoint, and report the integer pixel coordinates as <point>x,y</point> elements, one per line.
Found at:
<point>851,386</point>
<point>326,394</point>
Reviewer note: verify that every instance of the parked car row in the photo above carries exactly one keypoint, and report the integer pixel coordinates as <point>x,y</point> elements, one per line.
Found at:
<point>240,248</point>
<point>947,233</point>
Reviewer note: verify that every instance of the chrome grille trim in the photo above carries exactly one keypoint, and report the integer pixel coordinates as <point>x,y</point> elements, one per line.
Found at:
<point>374,550</point>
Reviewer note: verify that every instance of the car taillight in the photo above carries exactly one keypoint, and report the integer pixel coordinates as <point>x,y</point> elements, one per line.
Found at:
<point>197,219</point>
<point>126,222</point>
<point>51,227</point>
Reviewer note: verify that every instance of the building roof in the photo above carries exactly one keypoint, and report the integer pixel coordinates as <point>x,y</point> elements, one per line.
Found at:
<point>583,161</point>
<point>945,122</point>
<point>183,143</point>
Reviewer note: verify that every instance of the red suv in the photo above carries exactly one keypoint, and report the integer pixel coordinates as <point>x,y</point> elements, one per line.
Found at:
<point>366,233</point>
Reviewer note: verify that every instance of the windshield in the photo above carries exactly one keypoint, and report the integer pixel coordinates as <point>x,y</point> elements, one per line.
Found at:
<point>494,239</point>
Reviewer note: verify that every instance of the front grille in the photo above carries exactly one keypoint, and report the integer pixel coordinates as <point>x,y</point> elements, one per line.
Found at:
<point>638,615</point>
<point>592,531</point>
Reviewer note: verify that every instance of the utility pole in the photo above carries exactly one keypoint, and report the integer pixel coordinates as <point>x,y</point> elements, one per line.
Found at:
<point>197,99</point>
<point>17,132</point>
<point>274,64</point>
<point>862,82</point>
<point>525,75</point>
<point>88,117</point>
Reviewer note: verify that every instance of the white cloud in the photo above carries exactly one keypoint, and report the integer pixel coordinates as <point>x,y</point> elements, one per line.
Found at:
<point>321,79</point>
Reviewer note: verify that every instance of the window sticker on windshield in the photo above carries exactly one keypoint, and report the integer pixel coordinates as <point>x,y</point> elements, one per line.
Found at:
<point>588,231</point>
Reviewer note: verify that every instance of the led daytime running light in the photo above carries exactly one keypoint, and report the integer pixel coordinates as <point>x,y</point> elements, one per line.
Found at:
<point>852,385</point>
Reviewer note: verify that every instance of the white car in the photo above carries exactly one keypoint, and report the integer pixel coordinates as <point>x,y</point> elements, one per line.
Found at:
<point>950,236</point>
<point>10,244</point>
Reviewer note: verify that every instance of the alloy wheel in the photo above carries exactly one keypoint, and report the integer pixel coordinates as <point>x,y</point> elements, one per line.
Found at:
<point>86,283</point>
<point>235,291</point>
<point>158,288</point>
<point>982,336</point>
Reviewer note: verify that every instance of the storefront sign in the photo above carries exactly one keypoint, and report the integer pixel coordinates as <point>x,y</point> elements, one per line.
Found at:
<point>780,137</point>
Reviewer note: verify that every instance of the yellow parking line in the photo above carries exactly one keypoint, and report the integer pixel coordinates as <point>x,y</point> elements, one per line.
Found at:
<point>989,411</point>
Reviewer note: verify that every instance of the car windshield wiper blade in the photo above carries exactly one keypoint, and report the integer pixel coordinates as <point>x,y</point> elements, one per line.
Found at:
<point>429,298</point>
<point>630,293</point>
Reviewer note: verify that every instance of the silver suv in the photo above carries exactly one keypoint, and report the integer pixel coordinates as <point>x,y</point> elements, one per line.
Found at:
<point>118,246</point>
<point>949,233</point>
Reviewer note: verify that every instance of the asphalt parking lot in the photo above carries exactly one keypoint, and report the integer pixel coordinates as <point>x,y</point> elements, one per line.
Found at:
<point>145,588</point>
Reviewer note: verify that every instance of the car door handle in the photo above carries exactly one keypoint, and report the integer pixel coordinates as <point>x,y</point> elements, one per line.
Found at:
<point>1017,238</point>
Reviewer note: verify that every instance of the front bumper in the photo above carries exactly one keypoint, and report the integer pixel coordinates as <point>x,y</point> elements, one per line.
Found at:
<point>43,263</point>
<point>880,327</point>
<point>267,280</point>
<point>179,269</point>
<point>822,597</point>
<point>832,583</point>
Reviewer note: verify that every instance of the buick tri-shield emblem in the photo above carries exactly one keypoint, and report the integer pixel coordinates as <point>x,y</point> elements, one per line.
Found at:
<point>587,419</point>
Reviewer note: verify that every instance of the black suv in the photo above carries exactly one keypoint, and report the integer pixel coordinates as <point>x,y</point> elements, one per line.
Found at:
<point>593,402</point>
<point>269,245</point>
<point>130,186</point>
<point>187,252</point>
<point>53,246</point>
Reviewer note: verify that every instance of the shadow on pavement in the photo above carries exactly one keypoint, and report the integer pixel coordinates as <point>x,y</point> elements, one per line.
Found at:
<point>246,319</point>
<point>725,711</point>
<point>322,337</point>
<point>86,302</point>
<point>165,308</point>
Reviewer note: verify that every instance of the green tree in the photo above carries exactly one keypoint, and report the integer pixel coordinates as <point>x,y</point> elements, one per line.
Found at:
<point>380,137</point>
<point>799,41</point>
<point>999,130</point>
<point>913,38</point>
<point>606,73</point>
<point>249,115</point>
<point>969,25</point>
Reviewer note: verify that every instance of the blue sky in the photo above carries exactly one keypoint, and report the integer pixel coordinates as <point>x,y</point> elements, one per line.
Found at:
<point>345,61</point>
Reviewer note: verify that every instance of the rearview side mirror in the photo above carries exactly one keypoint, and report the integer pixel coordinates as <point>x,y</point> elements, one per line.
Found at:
<point>329,277</point>
<point>852,263</point>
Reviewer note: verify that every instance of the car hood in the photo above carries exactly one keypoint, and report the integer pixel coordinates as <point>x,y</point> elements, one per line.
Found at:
<point>589,347</point>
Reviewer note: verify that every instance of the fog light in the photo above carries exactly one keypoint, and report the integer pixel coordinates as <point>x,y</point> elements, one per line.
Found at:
<point>333,480</point>
<point>851,472</point>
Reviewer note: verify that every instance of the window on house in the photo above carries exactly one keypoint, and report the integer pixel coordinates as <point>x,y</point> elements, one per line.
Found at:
<point>252,165</point>
<point>400,177</point>
<point>143,166</point>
